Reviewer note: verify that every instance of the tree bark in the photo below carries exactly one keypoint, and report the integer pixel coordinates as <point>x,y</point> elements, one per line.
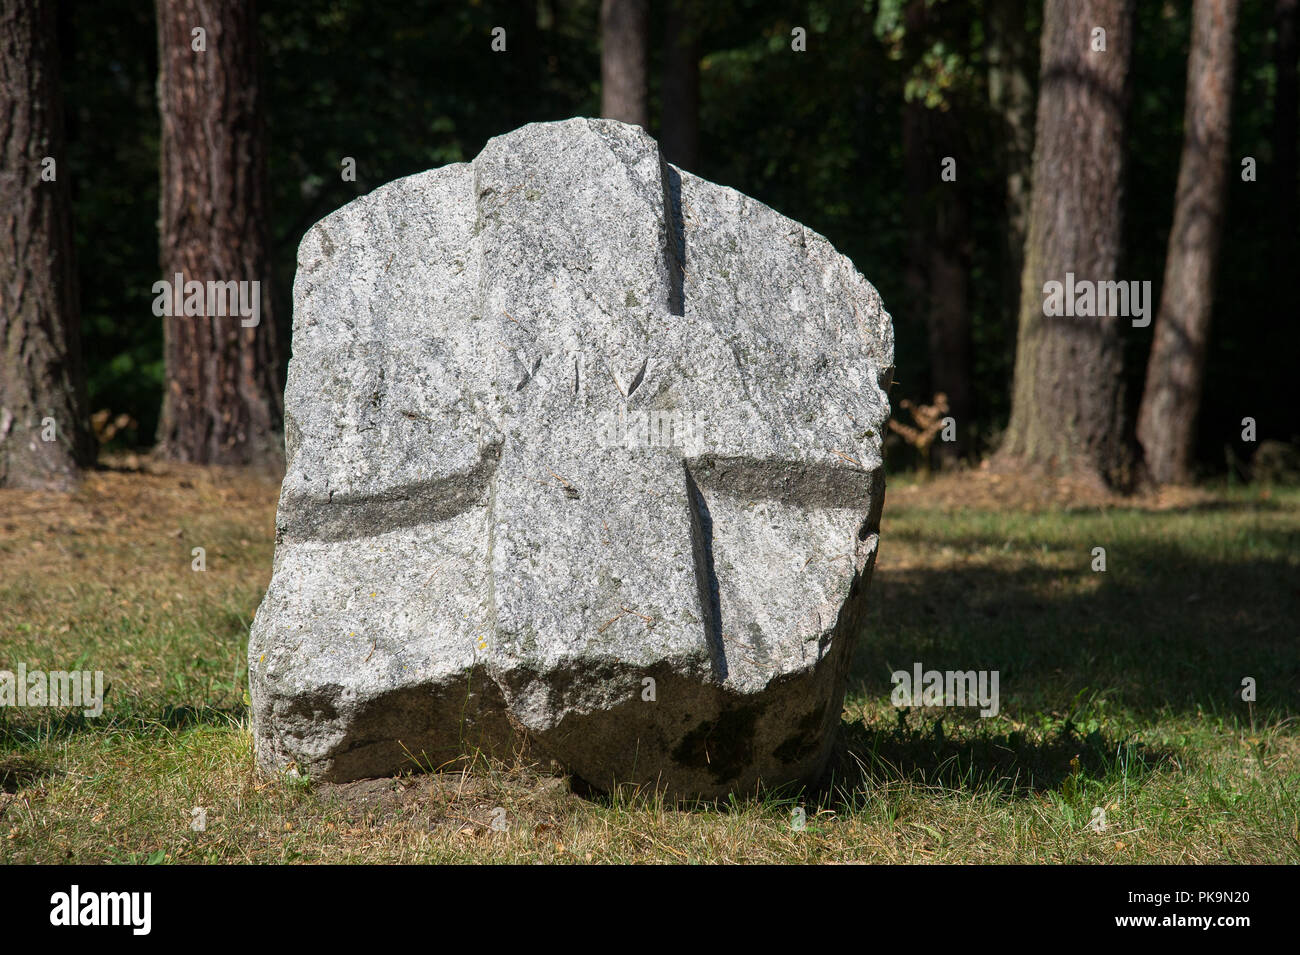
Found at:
<point>938,251</point>
<point>918,179</point>
<point>624,41</point>
<point>1176,368</point>
<point>224,397</point>
<point>949,312</point>
<point>1285,244</point>
<point>1011,95</point>
<point>1067,411</point>
<point>42,382</point>
<point>919,225</point>
<point>681,86</point>
<point>525,62</point>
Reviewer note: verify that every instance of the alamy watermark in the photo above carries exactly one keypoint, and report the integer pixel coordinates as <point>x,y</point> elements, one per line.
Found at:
<point>133,910</point>
<point>209,300</point>
<point>648,428</point>
<point>1087,299</point>
<point>946,688</point>
<point>53,688</point>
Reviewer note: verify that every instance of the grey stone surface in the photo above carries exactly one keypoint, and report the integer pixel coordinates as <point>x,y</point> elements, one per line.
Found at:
<point>561,421</point>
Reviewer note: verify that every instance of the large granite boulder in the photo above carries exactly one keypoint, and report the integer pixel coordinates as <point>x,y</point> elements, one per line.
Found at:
<point>584,462</point>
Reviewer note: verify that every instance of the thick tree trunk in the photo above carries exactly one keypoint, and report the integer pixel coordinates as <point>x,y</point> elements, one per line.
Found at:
<point>224,397</point>
<point>1011,95</point>
<point>1175,372</point>
<point>1067,412</point>
<point>624,44</point>
<point>44,426</point>
<point>681,86</point>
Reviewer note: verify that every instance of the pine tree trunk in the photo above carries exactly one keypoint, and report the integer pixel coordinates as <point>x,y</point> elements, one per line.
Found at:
<point>1176,369</point>
<point>949,314</point>
<point>681,86</point>
<point>224,397</point>
<point>918,179</point>
<point>938,253</point>
<point>44,426</point>
<point>1286,245</point>
<point>624,36</point>
<point>1011,95</point>
<point>1067,412</point>
<point>525,63</point>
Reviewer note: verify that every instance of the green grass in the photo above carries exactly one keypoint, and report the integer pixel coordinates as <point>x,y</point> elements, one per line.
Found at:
<point>1119,690</point>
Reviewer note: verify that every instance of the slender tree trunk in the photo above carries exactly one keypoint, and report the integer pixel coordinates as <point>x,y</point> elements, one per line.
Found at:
<point>918,179</point>
<point>949,312</point>
<point>224,398</point>
<point>1175,372</point>
<point>1011,95</point>
<point>681,86</point>
<point>525,62</point>
<point>1067,411</point>
<point>624,43</point>
<point>938,250</point>
<point>1286,247</point>
<point>44,427</point>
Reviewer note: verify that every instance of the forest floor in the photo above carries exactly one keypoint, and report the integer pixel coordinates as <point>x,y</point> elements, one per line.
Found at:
<point>1121,734</point>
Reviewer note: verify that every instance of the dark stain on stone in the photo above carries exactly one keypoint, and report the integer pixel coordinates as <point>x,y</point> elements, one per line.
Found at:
<point>725,746</point>
<point>805,739</point>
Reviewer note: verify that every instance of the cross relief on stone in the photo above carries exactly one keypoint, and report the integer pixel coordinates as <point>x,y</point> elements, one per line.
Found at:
<point>565,301</point>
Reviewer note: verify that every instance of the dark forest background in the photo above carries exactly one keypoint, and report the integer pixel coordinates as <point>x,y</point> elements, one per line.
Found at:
<point>821,136</point>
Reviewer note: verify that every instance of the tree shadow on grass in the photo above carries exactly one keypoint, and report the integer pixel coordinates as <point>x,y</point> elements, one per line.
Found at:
<point>20,772</point>
<point>40,726</point>
<point>873,758</point>
<point>1215,505</point>
<point>23,766</point>
<point>1165,630</point>
<point>869,757</point>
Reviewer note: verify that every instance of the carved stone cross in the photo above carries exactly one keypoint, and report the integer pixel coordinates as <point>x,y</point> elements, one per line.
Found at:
<point>466,560</point>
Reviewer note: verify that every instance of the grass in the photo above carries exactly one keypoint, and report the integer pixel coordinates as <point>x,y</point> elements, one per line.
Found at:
<point>1120,691</point>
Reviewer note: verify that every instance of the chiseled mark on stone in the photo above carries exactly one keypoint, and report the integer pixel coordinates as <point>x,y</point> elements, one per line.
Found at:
<point>808,484</point>
<point>336,517</point>
<point>674,238</point>
<point>630,379</point>
<point>706,577</point>
<point>529,368</point>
